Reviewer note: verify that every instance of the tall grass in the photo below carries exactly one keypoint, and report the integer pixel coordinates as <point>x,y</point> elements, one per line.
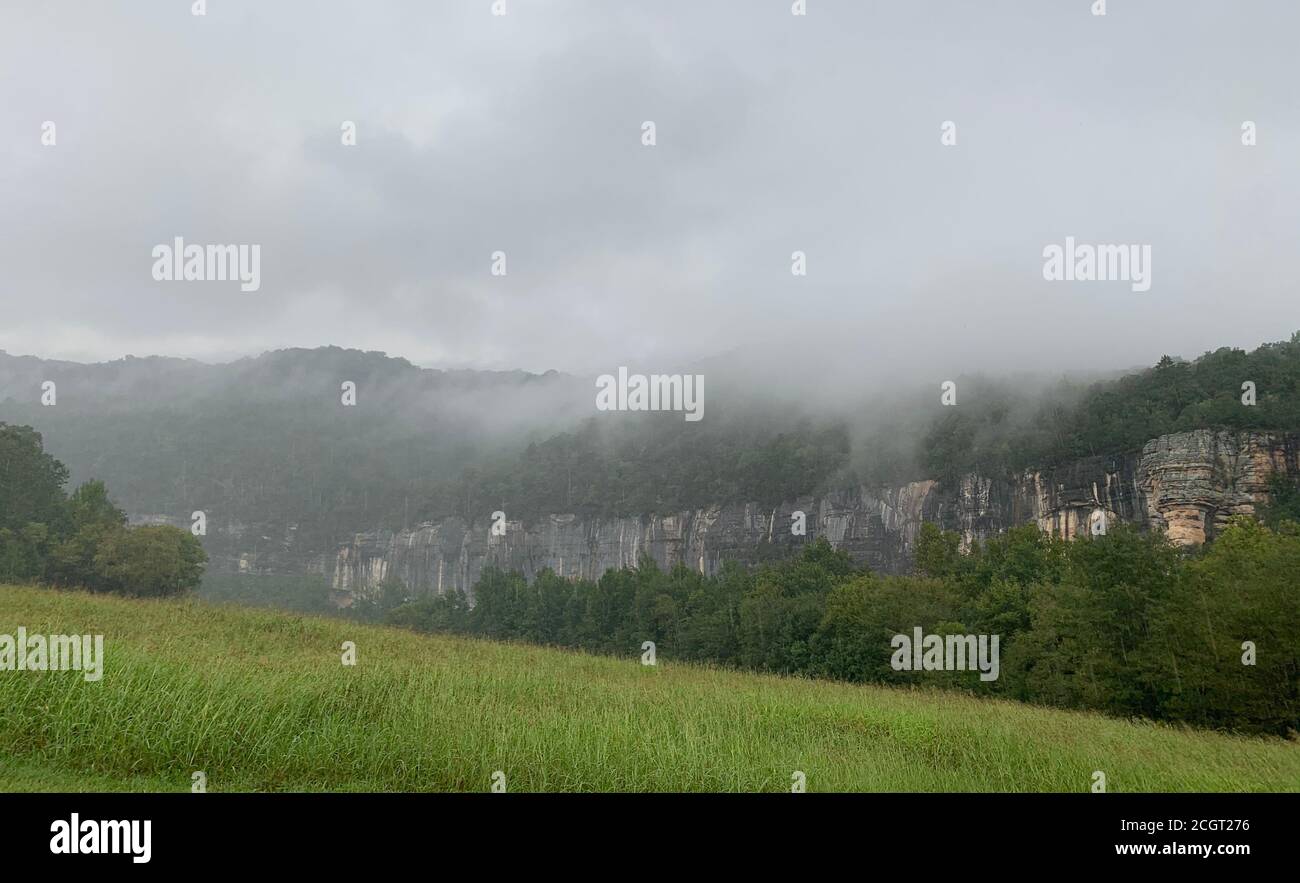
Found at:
<point>260,700</point>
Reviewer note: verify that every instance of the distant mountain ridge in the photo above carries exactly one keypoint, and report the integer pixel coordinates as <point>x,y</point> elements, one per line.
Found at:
<point>293,480</point>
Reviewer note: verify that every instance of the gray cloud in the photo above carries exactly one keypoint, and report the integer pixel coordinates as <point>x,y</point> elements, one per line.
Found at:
<point>775,133</point>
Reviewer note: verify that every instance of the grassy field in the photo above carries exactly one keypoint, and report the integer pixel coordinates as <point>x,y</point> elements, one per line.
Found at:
<point>260,700</point>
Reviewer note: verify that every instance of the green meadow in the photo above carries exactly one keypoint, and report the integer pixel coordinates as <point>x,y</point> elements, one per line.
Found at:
<point>260,701</point>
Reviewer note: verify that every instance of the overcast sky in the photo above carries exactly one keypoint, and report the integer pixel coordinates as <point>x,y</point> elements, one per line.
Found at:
<point>775,133</point>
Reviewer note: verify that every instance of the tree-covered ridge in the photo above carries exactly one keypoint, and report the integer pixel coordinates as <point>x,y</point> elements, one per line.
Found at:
<point>650,465</point>
<point>81,540</point>
<point>1123,623</point>
<point>1002,430</point>
<point>654,464</point>
<point>267,443</point>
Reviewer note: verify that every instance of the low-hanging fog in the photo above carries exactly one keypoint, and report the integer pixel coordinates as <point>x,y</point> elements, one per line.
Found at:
<point>774,133</point>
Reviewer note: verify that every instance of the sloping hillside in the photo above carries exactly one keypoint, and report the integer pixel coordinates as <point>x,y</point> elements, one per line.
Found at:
<point>261,701</point>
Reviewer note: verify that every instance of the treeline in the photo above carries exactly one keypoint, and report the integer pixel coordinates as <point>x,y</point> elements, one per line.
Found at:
<point>1125,623</point>
<point>81,539</point>
<point>650,464</point>
<point>268,443</point>
<point>657,463</point>
<point>1001,430</point>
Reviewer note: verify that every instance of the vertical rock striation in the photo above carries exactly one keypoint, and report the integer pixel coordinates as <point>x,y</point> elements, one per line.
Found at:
<point>1188,484</point>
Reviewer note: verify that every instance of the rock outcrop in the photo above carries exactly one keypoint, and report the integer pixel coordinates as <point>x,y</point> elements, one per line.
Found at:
<point>1188,484</point>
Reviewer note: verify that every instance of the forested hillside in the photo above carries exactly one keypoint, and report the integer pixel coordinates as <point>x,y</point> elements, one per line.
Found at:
<point>268,441</point>
<point>1073,421</point>
<point>1124,623</point>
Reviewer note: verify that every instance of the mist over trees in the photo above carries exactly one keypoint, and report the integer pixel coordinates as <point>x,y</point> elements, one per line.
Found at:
<point>269,442</point>
<point>1071,421</point>
<point>1124,623</point>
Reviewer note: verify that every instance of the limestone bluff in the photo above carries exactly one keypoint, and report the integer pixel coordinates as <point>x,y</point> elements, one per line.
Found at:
<point>1188,484</point>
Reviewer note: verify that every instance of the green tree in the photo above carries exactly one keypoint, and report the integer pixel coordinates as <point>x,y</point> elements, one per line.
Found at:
<point>24,552</point>
<point>1283,500</point>
<point>1086,643</point>
<point>853,641</point>
<point>938,552</point>
<point>31,481</point>
<point>153,561</point>
<point>1241,589</point>
<point>91,519</point>
<point>448,612</point>
<point>497,611</point>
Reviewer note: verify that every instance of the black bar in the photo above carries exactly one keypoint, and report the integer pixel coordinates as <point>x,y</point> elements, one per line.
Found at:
<point>631,833</point>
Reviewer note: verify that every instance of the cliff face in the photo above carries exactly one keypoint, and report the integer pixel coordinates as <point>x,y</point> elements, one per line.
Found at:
<point>1188,484</point>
